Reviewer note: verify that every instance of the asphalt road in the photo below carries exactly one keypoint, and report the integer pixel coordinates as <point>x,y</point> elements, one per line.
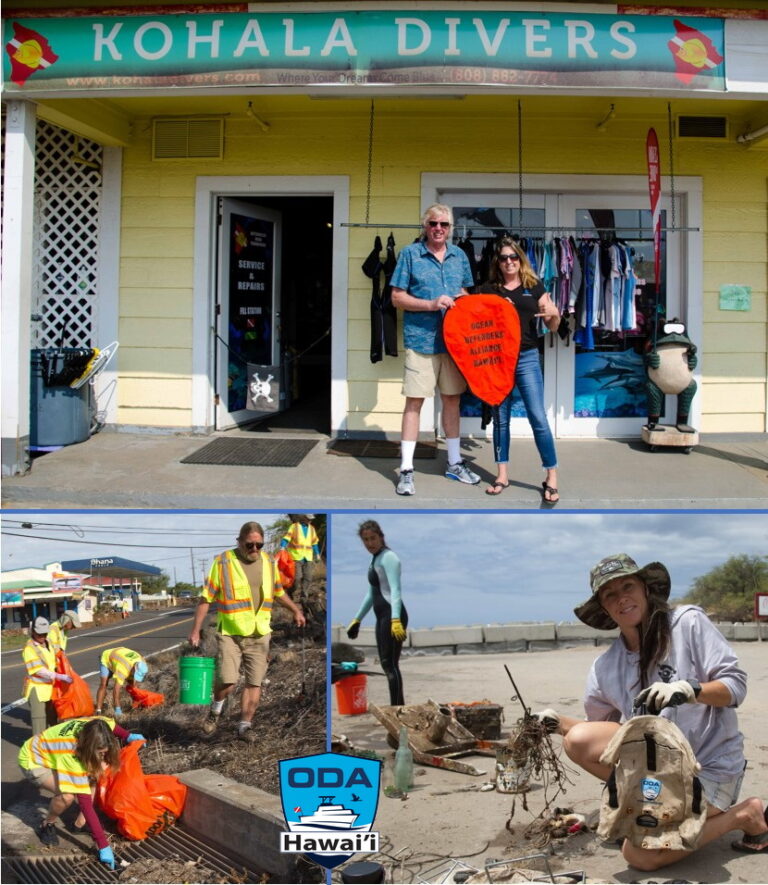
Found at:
<point>146,632</point>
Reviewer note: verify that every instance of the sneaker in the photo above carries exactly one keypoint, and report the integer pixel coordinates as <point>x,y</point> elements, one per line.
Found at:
<point>247,734</point>
<point>47,834</point>
<point>210,723</point>
<point>462,473</point>
<point>405,484</point>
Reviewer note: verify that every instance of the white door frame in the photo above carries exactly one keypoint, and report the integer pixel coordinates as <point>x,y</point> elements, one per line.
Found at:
<point>689,191</point>
<point>207,189</point>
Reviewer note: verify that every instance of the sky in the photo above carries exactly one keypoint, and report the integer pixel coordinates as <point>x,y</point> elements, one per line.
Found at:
<point>158,538</point>
<point>461,569</point>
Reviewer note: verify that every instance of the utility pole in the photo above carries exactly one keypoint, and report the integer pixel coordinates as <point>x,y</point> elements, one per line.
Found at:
<point>192,561</point>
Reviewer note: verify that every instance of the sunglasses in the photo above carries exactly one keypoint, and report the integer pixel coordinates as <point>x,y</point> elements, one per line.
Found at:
<point>511,256</point>
<point>253,545</point>
<point>444,224</point>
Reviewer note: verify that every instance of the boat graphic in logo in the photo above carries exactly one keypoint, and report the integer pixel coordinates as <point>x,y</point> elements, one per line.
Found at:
<point>329,802</point>
<point>651,788</point>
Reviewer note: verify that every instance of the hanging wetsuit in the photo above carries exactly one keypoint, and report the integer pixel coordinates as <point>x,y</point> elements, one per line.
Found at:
<point>383,313</point>
<point>385,598</point>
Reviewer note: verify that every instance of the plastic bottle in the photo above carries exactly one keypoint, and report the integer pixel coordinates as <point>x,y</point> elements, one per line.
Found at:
<point>403,763</point>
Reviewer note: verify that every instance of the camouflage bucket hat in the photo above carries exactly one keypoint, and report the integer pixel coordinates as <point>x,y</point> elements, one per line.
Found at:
<point>654,575</point>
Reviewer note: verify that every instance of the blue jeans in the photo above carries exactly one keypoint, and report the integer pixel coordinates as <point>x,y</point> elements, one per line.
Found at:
<point>530,382</point>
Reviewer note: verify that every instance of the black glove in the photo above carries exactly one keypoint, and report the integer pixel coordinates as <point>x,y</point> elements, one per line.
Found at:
<point>353,629</point>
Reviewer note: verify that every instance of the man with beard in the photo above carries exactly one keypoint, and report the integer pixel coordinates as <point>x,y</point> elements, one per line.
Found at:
<point>243,583</point>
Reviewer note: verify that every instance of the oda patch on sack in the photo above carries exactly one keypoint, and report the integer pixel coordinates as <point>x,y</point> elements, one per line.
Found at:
<point>651,788</point>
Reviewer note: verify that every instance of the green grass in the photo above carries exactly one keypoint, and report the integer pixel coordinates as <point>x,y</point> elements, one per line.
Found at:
<point>12,640</point>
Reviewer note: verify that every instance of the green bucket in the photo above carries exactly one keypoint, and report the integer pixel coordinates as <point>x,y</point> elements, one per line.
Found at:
<point>196,679</point>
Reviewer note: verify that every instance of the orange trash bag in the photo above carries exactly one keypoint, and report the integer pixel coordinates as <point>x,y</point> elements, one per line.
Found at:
<point>143,698</point>
<point>482,334</point>
<point>141,804</point>
<point>287,568</point>
<point>74,699</point>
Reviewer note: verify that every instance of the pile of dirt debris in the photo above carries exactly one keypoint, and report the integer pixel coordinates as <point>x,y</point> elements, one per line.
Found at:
<point>290,720</point>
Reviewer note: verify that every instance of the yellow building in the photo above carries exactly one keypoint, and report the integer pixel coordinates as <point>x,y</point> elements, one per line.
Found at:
<point>154,151</point>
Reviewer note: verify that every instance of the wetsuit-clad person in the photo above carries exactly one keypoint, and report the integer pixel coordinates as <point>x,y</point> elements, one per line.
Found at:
<point>384,597</point>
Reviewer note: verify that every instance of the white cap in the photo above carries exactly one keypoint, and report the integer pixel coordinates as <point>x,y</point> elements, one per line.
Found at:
<point>40,625</point>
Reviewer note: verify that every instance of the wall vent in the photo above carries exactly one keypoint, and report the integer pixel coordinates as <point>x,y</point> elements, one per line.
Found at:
<point>180,138</point>
<point>702,127</point>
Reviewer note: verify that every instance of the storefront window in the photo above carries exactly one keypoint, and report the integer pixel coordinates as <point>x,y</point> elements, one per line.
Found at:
<point>616,248</point>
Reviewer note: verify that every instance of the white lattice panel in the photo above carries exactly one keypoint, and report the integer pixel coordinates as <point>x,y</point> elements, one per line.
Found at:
<point>68,186</point>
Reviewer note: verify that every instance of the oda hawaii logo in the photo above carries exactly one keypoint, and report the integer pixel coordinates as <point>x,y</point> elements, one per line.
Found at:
<point>329,802</point>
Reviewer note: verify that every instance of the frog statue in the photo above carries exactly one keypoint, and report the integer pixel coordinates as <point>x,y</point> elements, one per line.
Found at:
<point>670,364</point>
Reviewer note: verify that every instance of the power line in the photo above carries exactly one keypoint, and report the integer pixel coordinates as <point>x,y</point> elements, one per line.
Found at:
<point>113,543</point>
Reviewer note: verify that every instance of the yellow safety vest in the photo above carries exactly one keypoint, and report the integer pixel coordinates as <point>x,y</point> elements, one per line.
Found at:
<point>38,656</point>
<point>57,637</point>
<point>300,544</point>
<point>227,585</point>
<point>120,662</point>
<point>55,748</point>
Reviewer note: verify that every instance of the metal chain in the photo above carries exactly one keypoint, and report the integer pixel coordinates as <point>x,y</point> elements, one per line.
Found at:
<point>671,166</point>
<point>370,165</point>
<point>520,161</point>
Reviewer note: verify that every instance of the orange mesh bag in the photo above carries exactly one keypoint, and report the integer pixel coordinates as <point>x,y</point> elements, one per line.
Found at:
<point>72,700</point>
<point>141,697</point>
<point>123,796</point>
<point>287,568</point>
<point>482,334</point>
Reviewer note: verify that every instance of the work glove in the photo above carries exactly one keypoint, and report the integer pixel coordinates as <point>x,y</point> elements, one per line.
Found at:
<point>549,719</point>
<point>398,631</point>
<point>134,737</point>
<point>62,677</point>
<point>118,711</point>
<point>107,856</point>
<point>666,694</point>
<point>353,629</point>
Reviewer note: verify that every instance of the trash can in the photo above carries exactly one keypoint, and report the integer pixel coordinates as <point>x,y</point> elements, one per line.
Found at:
<point>59,414</point>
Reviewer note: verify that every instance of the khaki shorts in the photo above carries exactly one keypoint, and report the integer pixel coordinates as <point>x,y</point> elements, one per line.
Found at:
<point>250,651</point>
<point>426,371</point>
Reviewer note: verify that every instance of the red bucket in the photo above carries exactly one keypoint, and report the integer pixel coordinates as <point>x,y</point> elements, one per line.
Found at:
<point>352,695</point>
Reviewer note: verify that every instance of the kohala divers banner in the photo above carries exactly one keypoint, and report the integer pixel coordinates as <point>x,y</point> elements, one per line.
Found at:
<point>329,802</point>
<point>365,48</point>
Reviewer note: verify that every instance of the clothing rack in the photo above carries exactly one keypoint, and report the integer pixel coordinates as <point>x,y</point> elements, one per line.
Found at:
<point>517,228</point>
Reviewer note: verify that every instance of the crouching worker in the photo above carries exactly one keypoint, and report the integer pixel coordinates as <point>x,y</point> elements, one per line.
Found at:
<point>244,583</point>
<point>67,760</point>
<point>675,663</point>
<point>126,667</point>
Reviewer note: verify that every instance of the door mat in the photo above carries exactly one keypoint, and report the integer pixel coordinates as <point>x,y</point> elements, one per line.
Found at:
<point>253,452</point>
<point>378,448</point>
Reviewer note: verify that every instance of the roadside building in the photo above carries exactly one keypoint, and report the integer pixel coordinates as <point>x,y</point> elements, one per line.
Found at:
<point>203,183</point>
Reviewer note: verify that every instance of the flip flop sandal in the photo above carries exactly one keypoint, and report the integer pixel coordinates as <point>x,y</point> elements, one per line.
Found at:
<point>500,486</point>
<point>756,841</point>
<point>549,490</point>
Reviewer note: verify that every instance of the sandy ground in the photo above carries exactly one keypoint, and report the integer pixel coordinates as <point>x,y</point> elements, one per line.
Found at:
<point>447,817</point>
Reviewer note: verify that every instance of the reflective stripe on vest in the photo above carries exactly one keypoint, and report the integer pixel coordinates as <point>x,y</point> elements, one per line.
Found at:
<point>234,598</point>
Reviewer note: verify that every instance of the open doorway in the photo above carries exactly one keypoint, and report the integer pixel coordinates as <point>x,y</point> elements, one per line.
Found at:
<point>303,302</point>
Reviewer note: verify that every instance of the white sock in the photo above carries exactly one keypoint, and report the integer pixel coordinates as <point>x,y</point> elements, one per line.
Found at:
<point>454,449</point>
<point>243,726</point>
<point>217,707</point>
<point>407,448</point>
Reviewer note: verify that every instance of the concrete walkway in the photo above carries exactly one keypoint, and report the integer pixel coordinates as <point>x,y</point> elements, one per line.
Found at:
<point>447,815</point>
<point>128,470</point>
